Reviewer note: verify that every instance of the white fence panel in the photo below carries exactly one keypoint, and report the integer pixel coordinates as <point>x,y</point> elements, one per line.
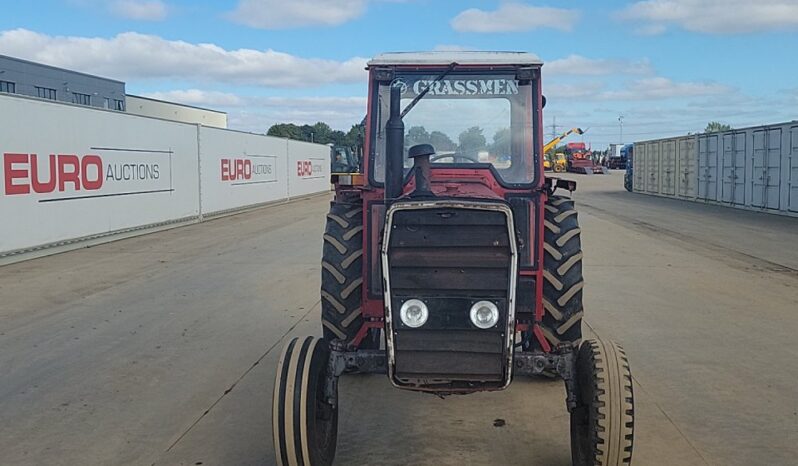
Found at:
<point>70,172</point>
<point>241,169</point>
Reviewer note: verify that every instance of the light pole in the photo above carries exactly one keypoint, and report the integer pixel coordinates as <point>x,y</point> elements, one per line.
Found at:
<point>620,122</point>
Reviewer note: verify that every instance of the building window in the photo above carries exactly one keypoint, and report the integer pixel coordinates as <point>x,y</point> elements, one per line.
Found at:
<point>45,93</point>
<point>81,99</point>
<point>8,86</point>
<point>119,105</point>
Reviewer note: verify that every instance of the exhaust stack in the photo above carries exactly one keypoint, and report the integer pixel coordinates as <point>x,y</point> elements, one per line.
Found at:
<point>394,148</point>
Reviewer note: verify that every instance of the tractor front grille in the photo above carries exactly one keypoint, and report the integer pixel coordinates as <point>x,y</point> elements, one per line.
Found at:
<point>450,257</point>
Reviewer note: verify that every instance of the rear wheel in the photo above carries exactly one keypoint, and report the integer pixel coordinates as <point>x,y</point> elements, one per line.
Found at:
<point>304,421</point>
<point>562,273</point>
<point>342,275</point>
<point>602,423</point>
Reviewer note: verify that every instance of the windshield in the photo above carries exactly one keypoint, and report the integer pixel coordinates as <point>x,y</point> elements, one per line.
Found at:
<point>468,119</point>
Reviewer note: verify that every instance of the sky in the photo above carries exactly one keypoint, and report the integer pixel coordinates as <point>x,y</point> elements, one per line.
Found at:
<point>665,67</point>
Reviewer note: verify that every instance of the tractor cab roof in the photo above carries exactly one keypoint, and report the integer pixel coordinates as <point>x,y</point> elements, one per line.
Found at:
<point>459,57</point>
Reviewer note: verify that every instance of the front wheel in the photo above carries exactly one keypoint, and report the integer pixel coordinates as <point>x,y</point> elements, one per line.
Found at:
<point>602,423</point>
<point>304,417</point>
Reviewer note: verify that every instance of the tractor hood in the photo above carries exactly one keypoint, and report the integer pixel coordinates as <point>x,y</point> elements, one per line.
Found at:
<point>473,185</point>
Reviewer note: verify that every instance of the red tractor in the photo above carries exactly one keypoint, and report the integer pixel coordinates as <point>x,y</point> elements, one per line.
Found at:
<point>450,264</point>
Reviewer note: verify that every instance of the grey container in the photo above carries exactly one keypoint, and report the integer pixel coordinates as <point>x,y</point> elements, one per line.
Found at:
<point>752,168</point>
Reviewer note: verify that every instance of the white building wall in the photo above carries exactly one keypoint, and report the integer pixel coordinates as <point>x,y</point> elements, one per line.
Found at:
<point>144,106</point>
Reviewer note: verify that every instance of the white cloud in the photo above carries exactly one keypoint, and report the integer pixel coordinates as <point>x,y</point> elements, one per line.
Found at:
<point>284,14</point>
<point>198,98</point>
<point>513,17</point>
<point>578,65</point>
<point>258,113</point>
<point>143,10</point>
<point>664,88</point>
<point>453,48</point>
<point>646,89</point>
<point>713,16</point>
<point>338,112</point>
<point>559,91</point>
<point>131,55</point>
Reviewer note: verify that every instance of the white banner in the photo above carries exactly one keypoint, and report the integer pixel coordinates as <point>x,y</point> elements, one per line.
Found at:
<point>70,172</point>
<point>241,169</point>
<point>309,168</point>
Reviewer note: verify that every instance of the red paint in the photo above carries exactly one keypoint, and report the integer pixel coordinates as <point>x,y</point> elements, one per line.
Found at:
<point>304,168</point>
<point>9,160</point>
<point>96,162</point>
<point>22,174</point>
<point>544,344</point>
<point>38,186</point>
<point>68,171</point>
<point>236,169</point>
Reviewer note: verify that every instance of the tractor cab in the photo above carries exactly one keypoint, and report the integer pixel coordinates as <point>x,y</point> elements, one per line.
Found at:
<point>480,112</point>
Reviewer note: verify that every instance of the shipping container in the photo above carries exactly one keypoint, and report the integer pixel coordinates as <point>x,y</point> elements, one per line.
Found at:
<point>766,173</point>
<point>688,167</point>
<point>792,184</point>
<point>751,168</point>
<point>708,167</point>
<point>667,167</point>
<point>652,167</point>
<point>733,174</point>
<point>639,167</point>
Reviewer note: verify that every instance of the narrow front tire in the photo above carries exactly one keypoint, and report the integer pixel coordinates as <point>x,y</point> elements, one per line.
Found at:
<point>602,423</point>
<point>304,419</point>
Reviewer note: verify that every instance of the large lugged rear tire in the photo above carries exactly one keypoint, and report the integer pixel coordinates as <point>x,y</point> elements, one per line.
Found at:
<point>304,422</point>
<point>562,273</point>
<point>342,272</point>
<point>602,424</point>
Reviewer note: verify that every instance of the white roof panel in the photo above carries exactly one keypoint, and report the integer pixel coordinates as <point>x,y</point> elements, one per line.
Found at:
<point>462,58</point>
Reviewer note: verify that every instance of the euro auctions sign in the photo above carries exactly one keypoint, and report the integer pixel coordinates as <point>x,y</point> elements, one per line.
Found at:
<point>249,169</point>
<point>310,169</point>
<point>105,172</point>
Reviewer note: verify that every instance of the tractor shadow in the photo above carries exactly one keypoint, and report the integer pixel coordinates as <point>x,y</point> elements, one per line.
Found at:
<point>380,425</point>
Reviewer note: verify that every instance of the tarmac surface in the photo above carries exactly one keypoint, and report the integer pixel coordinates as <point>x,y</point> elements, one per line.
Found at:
<point>161,349</point>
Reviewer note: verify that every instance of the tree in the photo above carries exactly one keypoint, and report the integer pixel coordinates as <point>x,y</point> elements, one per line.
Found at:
<point>501,143</point>
<point>472,141</point>
<point>416,135</point>
<point>441,142</point>
<point>285,130</point>
<point>356,135</point>
<point>716,127</point>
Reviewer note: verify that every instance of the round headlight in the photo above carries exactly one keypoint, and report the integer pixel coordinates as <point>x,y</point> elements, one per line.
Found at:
<point>414,313</point>
<point>484,314</point>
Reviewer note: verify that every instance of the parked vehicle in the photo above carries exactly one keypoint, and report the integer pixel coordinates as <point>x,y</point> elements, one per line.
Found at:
<point>453,272</point>
<point>627,152</point>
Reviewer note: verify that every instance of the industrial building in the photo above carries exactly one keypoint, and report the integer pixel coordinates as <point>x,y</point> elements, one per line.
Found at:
<point>147,106</point>
<point>27,78</point>
<point>24,77</point>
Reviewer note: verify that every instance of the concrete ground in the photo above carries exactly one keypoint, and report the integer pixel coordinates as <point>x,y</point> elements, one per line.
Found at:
<point>161,349</point>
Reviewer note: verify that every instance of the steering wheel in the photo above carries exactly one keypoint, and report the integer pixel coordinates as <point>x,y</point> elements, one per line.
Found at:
<point>454,158</point>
